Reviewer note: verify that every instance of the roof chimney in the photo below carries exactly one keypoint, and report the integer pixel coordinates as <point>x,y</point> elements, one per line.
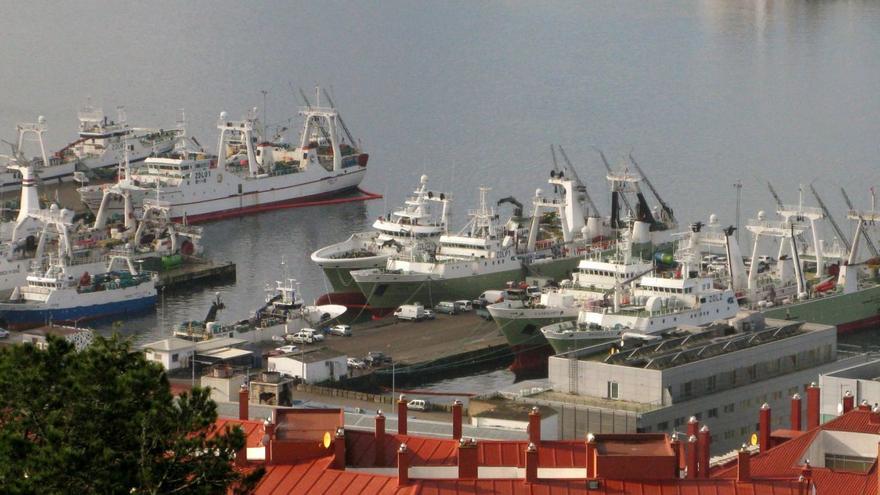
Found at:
<point>402,465</point>
<point>807,472</point>
<point>401,415</point>
<point>268,438</point>
<point>764,428</point>
<point>591,456</point>
<point>379,442</point>
<point>743,460</point>
<point>692,457</point>
<point>812,406</point>
<point>864,406</point>
<point>339,449</point>
<point>535,426</point>
<point>796,412</point>
<point>243,395</point>
<point>848,402</point>
<point>704,441</point>
<point>467,458</point>
<point>456,420</point>
<point>676,452</point>
<point>531,463</point>
<point>693,426</point>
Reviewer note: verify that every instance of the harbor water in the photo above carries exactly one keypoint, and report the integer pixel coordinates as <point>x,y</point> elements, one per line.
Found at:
<point>704,94</point>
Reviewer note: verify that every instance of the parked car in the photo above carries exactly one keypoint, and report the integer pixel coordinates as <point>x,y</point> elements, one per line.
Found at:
<point>4,333</point>
<point>417,405</point>
<point>447,307</point>
<point>429,315</point>
<point>341,330</point>
<point>376,358</point>
<point>356,363</point>
<point>464,305</point>
<point>316,335</point>
<point>302,337</point>
<point>286,348</point>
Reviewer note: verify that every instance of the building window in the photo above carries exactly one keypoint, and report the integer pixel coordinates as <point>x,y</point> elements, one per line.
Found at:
<point>613,390</point>
<point>711,382</point>
<point>678,422</point>
<point>174,358</point>
<point>686,389</point>
<point>729,408</point>
<point>728,435</point>
<point>663,426</point>
<point>713,413</point>
<point>852,463</point>
<point>699,416</point>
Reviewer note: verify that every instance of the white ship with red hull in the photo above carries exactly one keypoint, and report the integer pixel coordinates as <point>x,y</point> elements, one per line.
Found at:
<point>251,175</point>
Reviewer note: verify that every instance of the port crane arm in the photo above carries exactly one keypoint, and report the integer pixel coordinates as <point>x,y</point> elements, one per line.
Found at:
<point>871,246</point>
<point>338,116</point>
<point>666,208</point>
<point>581,187</point>
<point>608,168</point>
<point>831,220</point>
<point>517,206</point>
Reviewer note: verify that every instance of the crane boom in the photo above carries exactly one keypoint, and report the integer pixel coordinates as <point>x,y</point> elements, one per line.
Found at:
<point>608,168</point>
<point>663,204</point>
<point>581,187</point>
<point>831,220</point>
<point>775,196</point>
<point>868,241</point>
<point>342,122</point>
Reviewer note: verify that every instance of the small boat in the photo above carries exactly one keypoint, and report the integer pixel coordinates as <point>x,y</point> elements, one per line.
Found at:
<point>55,296</point>
<point>283,314</point>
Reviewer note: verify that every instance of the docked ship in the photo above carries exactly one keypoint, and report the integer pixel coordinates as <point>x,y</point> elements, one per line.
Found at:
<point>646,304</point>
<point>520,319</point>
<point>415,227</point>
<point>55,296</point>
<point>100,144</point>
<point>250,174</point>
<point>284,313</point>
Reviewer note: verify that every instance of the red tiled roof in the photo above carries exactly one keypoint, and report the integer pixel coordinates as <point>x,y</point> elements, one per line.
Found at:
<point>253,430</point>
<point>315,476</point>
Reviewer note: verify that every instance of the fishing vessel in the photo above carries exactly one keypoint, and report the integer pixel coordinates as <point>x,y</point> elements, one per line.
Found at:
<point>284,313</point>
<point>100,145</point>
<point>415,227</point>
<point>252,174</point>
<point>55,296</point>
<point>646,304</point>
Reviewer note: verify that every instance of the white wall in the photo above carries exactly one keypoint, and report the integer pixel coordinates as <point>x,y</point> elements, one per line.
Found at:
<point>317,371</point>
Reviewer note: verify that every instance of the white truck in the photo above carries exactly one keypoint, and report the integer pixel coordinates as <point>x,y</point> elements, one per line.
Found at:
<point>414,312</point>
<point>492,296</point>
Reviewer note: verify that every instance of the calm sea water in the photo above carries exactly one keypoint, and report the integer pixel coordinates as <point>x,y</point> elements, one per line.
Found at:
<point>703,93</point>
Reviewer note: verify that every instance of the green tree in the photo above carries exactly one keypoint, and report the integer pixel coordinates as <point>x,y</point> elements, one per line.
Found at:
<point>104,421</point>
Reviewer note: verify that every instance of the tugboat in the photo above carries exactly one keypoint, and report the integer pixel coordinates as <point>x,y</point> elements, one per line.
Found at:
<point>251,174</point>
<point>55,296</point>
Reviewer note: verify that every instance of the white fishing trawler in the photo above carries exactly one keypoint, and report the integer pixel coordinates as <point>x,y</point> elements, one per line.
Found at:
<point>56,296</point>
<point>416,226</point>
<point>250,174</point>
<point>100,144</point>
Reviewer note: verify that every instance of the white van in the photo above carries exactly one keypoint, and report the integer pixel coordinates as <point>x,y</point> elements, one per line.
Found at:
<point>464,305</point>
<point>414,312</point>
<point>493,296</point>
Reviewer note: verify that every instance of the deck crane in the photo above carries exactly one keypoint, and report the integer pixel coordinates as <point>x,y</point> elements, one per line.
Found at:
<point>581,187</point>
<point>555,167</point>
<point>341,122</point>
<point>773,193</point>
<point>831,220</point>
<point>305,98</point>
<point>666,209</point>
<point>608,168</point>
<point>849,204</point>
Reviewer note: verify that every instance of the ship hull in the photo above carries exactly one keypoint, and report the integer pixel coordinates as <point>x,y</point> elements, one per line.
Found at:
<point>221,195</point>
<point>387,291</point>
<point>24,316</point>
<point>522,329</point>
